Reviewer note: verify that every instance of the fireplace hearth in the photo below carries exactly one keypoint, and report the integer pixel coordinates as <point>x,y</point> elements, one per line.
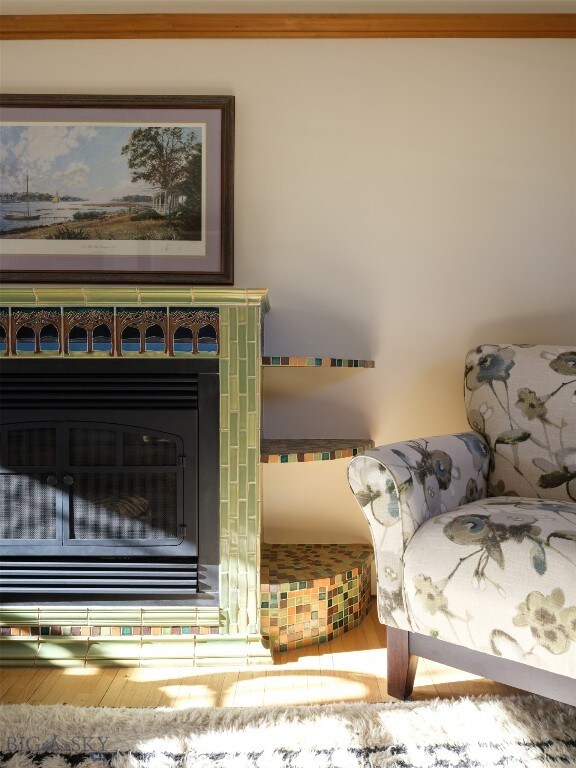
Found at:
<point>109,481</point>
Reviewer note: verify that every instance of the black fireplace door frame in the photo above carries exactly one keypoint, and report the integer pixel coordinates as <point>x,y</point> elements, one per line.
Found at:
<point>162,397</point>
<point>61,480</point>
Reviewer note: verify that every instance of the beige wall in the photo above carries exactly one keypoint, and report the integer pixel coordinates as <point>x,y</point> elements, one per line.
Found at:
<point>402,200</point>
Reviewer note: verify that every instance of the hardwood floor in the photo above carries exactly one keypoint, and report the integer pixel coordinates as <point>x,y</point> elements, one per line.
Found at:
<point>351,668</point>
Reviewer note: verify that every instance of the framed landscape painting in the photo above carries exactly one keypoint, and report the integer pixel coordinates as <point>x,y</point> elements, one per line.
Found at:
<point>116,189</point>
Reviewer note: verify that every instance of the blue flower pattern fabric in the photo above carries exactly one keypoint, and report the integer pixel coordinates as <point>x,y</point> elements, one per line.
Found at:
<point>475,533</point>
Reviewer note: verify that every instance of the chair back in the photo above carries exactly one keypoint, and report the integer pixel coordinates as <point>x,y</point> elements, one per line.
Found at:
<point>522,399</point>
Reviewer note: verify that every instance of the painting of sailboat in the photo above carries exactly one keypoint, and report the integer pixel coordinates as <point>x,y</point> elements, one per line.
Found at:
<point>122,187</point>
<point>20,215</point>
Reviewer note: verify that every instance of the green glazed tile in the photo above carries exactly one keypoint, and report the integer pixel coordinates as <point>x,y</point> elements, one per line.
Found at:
<point>17,294</point>
<point>224,446</point>
<point>252,508</point>
<point>243,443</point>
<point>234,428</point>
<point>224,483</point>
<point>252,395</point>
<point>168,648</point>
<point>173,296</point>
<point>252,329</point>
<point>224,564</point>
<point>224,593</point>
<point>16,617</point>
<point>233,505</point>
<point>253,464</point>
<point>233,327</point>
<point>251,363</point>
<point>52,648</point>
<point>114,649</point>
<point>243,482</point>
<point>242,375</point>
<point>233,465</point>
<point>234,398</point>
<point>242,410</point>
<point>41,663</point>
<point>252,430</point>
<point>18,649</point>
<point>224,517</point>
<point>224,339</point>
<point>242,336</point>
<point>63,617</point>
<point>224,412</point>
<point>59,295</point>
<point>242,519</point>
<point>224,378</point>
<point>112,295</point>
<point>233,358</point>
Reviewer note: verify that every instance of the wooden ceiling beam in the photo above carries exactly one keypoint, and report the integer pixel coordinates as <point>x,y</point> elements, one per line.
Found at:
<point>286,25</point>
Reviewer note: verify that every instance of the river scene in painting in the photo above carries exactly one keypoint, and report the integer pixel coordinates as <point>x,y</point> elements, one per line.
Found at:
<point>50,213</point>
<point>101,182</point>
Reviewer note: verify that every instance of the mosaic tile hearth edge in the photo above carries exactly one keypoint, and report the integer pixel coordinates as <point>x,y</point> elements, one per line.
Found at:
<point>313,593</point>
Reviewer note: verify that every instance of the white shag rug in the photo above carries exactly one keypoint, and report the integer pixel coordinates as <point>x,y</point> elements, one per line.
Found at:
<point>484,732</point>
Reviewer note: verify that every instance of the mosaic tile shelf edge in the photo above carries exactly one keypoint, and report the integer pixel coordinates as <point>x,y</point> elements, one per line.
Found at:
<point>278,451</point>
<point>314,362</point>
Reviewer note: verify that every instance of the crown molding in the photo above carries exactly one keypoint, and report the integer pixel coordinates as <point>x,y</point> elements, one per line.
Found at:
<point>286,25</point>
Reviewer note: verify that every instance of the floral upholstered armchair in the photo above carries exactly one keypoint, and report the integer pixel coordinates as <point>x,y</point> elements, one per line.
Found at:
<point>475,533</point>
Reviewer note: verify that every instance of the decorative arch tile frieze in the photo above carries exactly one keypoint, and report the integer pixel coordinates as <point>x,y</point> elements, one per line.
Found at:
<point>88,320</point>
<point>141,320</point>
<point>36,320</point>
<point>194,320</point>
<point>110,331</point>
<point>4,332</point>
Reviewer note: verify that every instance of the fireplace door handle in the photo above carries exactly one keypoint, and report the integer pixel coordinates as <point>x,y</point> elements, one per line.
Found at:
<point>52,480</point>
<point>68,480</point>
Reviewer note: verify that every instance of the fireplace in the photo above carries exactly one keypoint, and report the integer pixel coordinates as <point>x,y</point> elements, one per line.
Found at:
<point>109,481</point>
<point>159,336</point>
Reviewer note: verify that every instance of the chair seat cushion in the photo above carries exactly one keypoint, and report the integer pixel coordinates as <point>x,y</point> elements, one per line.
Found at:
<point>499,576</point>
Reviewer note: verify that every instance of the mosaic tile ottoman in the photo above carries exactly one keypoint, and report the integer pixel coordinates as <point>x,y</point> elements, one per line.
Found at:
<point>311,593</point>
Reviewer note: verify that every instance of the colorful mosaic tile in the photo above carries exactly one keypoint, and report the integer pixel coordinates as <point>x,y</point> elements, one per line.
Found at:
<point>312,593</point>
<point>302,450</point>
<point>315,362</point>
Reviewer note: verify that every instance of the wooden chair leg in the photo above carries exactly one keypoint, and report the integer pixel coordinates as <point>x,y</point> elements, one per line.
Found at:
<point>401,663</point>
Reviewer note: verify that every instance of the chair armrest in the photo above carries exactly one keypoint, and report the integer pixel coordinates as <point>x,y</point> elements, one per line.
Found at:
<point>399,486</point>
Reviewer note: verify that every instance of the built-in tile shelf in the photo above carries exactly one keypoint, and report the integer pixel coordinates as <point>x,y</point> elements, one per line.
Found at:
<point>276,361</point>
<point>278,451</point>
<point>287,451</point>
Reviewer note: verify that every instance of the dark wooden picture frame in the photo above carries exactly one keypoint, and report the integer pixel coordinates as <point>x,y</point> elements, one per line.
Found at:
<point>196,254</point>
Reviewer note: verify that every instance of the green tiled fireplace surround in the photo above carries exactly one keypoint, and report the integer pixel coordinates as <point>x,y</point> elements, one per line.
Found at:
<point>79,635</point>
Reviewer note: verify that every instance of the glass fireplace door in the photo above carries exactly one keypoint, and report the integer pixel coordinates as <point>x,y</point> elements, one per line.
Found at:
<point>125,487</point>
<point>30,498</point>
<point>92,485</point>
